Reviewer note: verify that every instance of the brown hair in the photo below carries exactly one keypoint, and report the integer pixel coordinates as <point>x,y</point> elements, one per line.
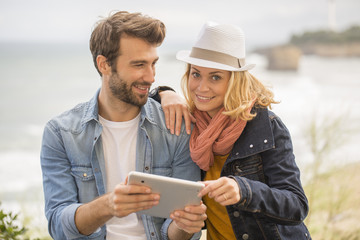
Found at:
<point>105,38</point>
<point>242,89</point>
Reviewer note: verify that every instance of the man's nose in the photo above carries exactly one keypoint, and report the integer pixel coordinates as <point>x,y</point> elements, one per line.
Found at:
<point>149,75</point>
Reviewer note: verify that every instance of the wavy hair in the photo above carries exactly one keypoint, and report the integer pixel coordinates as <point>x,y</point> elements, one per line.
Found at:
<point>244,91</point>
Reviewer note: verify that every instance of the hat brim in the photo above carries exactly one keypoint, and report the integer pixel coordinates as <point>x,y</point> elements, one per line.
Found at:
<point>184,56</point>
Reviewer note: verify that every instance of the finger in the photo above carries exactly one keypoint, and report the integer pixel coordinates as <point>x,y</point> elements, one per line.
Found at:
<point>189,226</point>
<point>167,117</point>
<point>172,120</point>
<point>209,187</point>
<point>183,227</point>
<point>217,193</point>
<point>222,186</point>
<point>229,193</point>
<point>131,189</point>
<point>223,199</point>
<point>134,198</point>
<point>193,119</point>
<point>187,120</point>
<point>189,222</point>
<point>179,115</point>
<point>196,209</point>
<point>124,204</point>
<point>133,204</point>
<point>189,217</point>
<point>191,212</point>
<point>126,180</point>
<point>125,209</point>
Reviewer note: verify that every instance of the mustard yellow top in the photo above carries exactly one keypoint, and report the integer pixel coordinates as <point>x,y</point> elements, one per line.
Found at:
<point>218,222</point>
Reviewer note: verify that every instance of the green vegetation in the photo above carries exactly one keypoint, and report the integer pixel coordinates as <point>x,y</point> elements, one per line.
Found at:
<point>12,229</point>
<point>350,35</point>
<point>9,230</point>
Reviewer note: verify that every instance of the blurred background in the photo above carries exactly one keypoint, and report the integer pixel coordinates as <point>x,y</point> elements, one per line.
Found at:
<point>307,51</point>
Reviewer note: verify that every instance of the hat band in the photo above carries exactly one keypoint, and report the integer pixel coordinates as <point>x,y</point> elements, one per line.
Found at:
<point>218,57</point>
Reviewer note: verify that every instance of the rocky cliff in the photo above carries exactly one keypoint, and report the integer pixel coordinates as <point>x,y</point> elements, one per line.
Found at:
<point>321,43</point>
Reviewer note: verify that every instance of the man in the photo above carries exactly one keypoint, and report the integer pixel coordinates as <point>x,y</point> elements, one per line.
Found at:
<point>88,151</point>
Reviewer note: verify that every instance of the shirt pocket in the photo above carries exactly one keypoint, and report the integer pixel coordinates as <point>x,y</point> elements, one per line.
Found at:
<point>85,181</point>
<point>250,167</point>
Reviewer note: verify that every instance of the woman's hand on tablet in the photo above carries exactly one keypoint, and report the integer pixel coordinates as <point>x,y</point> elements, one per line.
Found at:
<point>224,190</point>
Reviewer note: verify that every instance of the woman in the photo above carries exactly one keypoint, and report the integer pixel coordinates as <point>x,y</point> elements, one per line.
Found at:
<point>253,188</point>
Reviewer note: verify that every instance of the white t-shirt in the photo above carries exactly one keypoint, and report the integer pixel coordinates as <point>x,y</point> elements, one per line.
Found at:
<point>119,144</point>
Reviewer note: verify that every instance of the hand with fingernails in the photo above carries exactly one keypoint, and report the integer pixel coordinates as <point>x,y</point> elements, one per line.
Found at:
<point>224,190</point>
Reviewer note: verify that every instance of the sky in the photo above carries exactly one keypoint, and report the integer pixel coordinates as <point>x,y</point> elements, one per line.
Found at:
<point>264,22</point>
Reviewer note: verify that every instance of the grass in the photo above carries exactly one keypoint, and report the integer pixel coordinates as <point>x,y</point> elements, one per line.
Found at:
<point>335,210</point>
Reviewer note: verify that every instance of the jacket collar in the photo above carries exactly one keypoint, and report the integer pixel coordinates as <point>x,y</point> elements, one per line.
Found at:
<point>256,137</point>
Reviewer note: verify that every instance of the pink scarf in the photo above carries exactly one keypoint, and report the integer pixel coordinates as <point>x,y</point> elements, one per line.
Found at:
<point>211,136</point>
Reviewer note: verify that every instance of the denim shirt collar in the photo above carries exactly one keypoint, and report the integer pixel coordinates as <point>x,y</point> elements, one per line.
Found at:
<point>92,111</point>
<point>256,137</point>
<point>146,112</point>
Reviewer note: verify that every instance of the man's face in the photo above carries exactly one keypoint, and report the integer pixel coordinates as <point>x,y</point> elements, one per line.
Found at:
<point>135,70</point>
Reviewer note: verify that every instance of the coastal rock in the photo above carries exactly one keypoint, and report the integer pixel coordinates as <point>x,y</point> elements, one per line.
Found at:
<point>333,50</point>
<point>284,57</point>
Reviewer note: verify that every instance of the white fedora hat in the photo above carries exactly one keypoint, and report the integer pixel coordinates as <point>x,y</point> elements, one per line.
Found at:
<point>220,46</point>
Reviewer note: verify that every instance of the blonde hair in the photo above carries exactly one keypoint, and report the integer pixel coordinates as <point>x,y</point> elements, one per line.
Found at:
<point>243,89</point>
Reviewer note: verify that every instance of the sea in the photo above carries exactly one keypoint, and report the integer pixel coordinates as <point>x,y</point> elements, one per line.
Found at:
<point>40,80</point>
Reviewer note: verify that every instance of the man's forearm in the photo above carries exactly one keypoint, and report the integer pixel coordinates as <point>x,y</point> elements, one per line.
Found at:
<point>90,216</point>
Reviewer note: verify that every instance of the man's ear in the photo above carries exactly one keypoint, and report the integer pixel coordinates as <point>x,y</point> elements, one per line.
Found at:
<point>103,65</point>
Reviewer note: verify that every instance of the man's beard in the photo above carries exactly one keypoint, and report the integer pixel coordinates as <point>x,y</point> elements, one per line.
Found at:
<point>122,91</point>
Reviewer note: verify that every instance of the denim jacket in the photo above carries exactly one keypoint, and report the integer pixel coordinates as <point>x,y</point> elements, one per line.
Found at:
<point>73,166</point>
<point>273,204</point>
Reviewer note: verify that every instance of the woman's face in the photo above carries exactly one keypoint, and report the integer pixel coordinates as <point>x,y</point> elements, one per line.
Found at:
<point>208,87</point>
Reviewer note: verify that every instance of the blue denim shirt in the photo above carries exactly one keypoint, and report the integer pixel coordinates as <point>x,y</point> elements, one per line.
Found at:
<point>73,165</point>
<point>273,204</point>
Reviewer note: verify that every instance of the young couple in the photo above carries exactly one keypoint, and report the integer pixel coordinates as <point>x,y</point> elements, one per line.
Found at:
<point>244,151</point>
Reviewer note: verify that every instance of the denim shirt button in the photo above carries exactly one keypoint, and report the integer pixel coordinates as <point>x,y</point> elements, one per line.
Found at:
<point>236,153</point>
<point>265,141</point>
<point>251,146</point>
<point>146,168</point>
<point>236,214</point>
<point>245,236</point>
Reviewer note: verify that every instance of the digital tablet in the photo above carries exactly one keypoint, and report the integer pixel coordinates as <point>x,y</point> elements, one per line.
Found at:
<point>175,193</point>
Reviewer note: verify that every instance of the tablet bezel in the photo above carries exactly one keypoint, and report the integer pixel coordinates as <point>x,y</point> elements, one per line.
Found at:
<point>175,193</point>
